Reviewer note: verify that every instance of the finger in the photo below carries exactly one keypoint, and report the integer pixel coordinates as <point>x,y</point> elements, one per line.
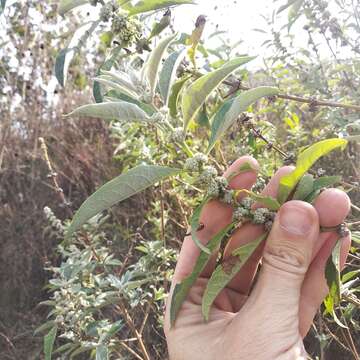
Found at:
<point>243,280</point>
<point>286,258</point>
<point>333,206</point>
<point>315,288</point>
<point>215,217</point>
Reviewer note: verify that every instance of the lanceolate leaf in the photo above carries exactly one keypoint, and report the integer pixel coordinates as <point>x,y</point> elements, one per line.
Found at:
<point>267,201</point>
<point>66,55</point>
<point>119,189</point>
<point>231,110</point>
<point>49,340</point>
<point>285,6</point>
<point>67,5</point>
<point>226,271</point>
<point>304,162</point>
<point>195,224</point>
<point>150,5</point>
<point>108,81</point>
<point>182,289</point>
<point>168,73</point>
<point>117,110</point>
<point>174,96</point>
<point>333,279</point>
<point>153,64</point>
<point>2,3</point>
<point>304,188</point>
<point>107,65</point>
<point>197,93</point>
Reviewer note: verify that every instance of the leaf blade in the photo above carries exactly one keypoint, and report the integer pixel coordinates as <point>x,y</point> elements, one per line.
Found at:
<point>119,189</point>
<point>150,5</point>
<point>197,93</point>
<point>67,5</point>
<point>49,340</point>
<point>231,109</point>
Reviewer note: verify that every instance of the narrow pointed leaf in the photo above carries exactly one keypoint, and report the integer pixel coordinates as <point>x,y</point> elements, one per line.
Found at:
<point>168,73</point>
<point>285,6</point>
<point>175,94</point>
<point>65,56</point>
<point>67,5</point>
<point>304,162</point>
<point>197,93</point>
<point>119,189</point>
<point>153,64</point>
<point>182,289</point>
<point>150,5</point>
<point>49,340</point>
<point>107,81</point>
<point>304,188</point>
<point>116,110</point>
<point>231,110</point>
<point>226,271</point>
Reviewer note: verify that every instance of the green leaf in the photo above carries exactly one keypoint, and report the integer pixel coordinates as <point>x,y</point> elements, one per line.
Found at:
<point>119,189</point>
<point>65,56</point>
<point>67,5</point>
<point>152,66</point>
<point>116,95</point>
<point>49,340</point>
<point>160,26</point>
<point>267,201</point>
<point>174,96</point>
<point>44,327</point>
<point>304,188</point>
<point>168,73</point>
<point>231,110</point>
<point>195,223</point>
<point>107,65</point>
<point>116,327</point>
<point>102,352</point>
<point>108,81</point>
<point>64,347</point>
<point>321,183</point>
<point>182,289</point>
<point>3,4</point>
<point>116,110</point>
<point>333,279</point>
<point>304,162</point>
<point>197,93</point>
<point>226,271</point>
<point>150,5</point>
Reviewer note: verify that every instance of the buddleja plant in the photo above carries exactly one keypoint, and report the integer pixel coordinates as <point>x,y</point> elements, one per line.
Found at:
<point>155,97</point>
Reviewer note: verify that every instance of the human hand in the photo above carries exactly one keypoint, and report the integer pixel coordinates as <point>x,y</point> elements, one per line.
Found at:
<point>271,321</point>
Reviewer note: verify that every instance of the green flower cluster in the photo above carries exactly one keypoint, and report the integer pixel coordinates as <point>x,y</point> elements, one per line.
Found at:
<point>108,10</point>
<point>126,29</point>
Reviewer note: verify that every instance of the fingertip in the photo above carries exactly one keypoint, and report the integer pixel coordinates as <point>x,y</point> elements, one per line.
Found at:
<point>247,177</point>
<point>332,205</point>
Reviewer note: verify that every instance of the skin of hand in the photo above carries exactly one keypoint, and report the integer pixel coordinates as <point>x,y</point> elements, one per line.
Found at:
<point>271,320</point>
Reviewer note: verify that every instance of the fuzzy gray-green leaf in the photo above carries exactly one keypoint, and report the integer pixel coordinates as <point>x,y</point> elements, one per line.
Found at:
<point>67,5</point>
<point>49,340</point>
<point>143,6</point>
<point>119,189</point>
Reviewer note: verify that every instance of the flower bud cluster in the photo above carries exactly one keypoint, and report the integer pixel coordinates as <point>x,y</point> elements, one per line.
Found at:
<point>196,163</point>
<point>178,135</point>
<point>53,221</point>
<point>259,216</point>
<point>107,10</point>
<point>126,29</point>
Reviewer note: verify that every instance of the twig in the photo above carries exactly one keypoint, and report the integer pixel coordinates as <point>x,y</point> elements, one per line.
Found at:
<point>52,174</point>
<point>130,350</point>
<point>162,213</point>
<point>121,307</point>
<point>311,101</point>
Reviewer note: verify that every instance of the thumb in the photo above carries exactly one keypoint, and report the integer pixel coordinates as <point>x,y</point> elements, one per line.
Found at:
<point>287,256</point>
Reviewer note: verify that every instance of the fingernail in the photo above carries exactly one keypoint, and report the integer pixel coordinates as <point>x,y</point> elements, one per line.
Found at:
<point>295,220</point>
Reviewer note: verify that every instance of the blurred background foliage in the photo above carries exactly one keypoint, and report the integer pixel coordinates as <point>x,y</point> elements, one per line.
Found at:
<point>105,291</point>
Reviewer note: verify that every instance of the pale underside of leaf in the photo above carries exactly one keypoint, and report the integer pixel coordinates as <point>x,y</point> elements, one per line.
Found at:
<point>119,189</point>
<point>152,66</point>
<point>105,80</point>
<point>197,93</point>
<point>226,271</point>
<point>182,289</point>
<point>231,110</point>
<point>121,78</point>
<point>168,73</point>
<point>304,162</point>
<point>116,110</point>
